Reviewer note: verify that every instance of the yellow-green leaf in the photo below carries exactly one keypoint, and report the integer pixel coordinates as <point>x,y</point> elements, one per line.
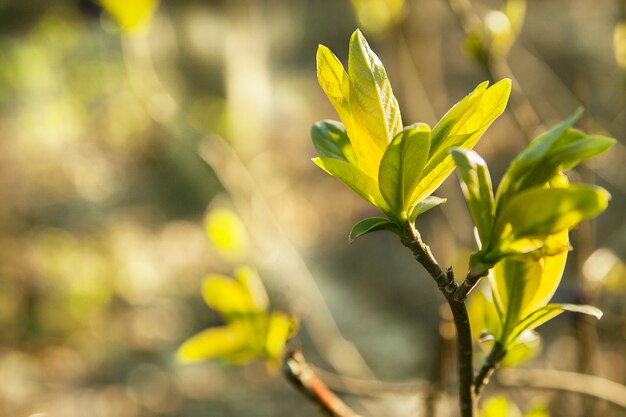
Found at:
<point>477,189</point>
<point>280,327</point>
<point>252,284</point>
<point>375,112</point>
<point>227,233</point>
<point>424,205</point>
<point>131,15</point>
<point>499,407</point>
<point>353,177</point>
<point>539,212</point>
<point>334,81</point>
<point>227,296</point>
<point>401,167</point>
<point>214,343</point>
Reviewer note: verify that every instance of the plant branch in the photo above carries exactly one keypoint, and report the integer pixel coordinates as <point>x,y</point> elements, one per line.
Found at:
<point>300,374</point>
<point>445,281</point>
<point>492,362</point>
<point>469,283</point>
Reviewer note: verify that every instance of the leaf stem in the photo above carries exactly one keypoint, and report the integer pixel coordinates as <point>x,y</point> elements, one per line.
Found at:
<point>445,281</point>
<point>492,362</point>
<point>469,283</point>
<point>300,374</point>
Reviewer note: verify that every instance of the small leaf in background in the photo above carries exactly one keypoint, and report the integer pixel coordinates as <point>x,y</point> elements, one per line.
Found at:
<point>401,167</point>
<point>331,141</point>
<point>477,189</point>
<point>483,314</point>
<point>424,205</point>
<point>371,225</point>
<point>375,112</point>
<point>619,43</point>
<point>378,15</point>
<point>499,407</point>
<point>280,328</point>
<point>227,233</point>
<point>131,15</point>
<point>215,342</point>
<point>251,282</point>
<point>227,296</point>
<point>354,178</point>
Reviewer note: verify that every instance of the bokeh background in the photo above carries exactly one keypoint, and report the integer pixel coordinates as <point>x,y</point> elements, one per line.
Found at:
<point>121,129</point>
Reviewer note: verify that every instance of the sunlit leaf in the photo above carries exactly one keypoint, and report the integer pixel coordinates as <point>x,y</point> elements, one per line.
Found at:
<point>483,314</point>
<point>424,205</point>
<point>227,233</point>
<point>214,343</point>
<point>227,296</point>
<point>334,81</point>
<point>539,317</point>
<point>354,178</point>
<point>477,189</point>
<point>371,225</point>
<point>131,15</point>
<point>401,167</point>
<point>378,15</point>
<point>279,329</point>
<point>375,112</point>
<point>331,140</point>
<point>251,282</point>
<point>529,158</point>
<point>539,212</point>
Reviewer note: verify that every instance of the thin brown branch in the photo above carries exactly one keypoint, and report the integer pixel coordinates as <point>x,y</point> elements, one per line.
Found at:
<point>301,375</point>
<point>469,283</point>
<point>589,385</point>
<point>492,362</point>
<point>445,281</point>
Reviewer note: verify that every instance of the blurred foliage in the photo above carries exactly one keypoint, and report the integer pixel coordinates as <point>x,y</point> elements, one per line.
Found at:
<point>102,241</point>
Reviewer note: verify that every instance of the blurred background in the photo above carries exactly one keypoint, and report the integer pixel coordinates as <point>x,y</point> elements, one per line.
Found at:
<point>123,123</point>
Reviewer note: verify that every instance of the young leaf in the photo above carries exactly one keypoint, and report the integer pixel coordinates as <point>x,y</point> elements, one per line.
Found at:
<point>334,81</point>
<point>331,141</point>
<point>567,151</point>
<point>214,342</point>
<point>527,345</point>
<point>424,205</point>
<point>354,178</point>
<point>371,225</point>
<point>227,296</point>
<point>375,112</point>
<point>476,186</point>
<point>252,284</point>
<point>539,317</point>
<point>529,158</point>
<point>401,167</point>
<point>539,212</point>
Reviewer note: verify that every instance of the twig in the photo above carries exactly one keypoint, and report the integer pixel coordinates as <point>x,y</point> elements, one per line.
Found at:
<point>492,362</point>
<point>469,283</point>
<point>593,386</point>
<point>301,375</point>
<point>445,281</point>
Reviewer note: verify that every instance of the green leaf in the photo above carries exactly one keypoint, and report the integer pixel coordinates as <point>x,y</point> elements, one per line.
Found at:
<point>525,347</point>
<point>401,167</point>
<point>542,315</point>
<point>331,141</point>
<point>334,81</point>
<point>539,212</point>
<point>280,328</point>
<point>529,158</point>
<point>476,186</point>
<point>215,342</point>
<point>371,225</point>
<point>375,112</point>
<point>227,296</point>
<point>353,177</point>
<point>567,151</point>
<point>499,407</point>
<point>483,314</point>
<point>424,205</point>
